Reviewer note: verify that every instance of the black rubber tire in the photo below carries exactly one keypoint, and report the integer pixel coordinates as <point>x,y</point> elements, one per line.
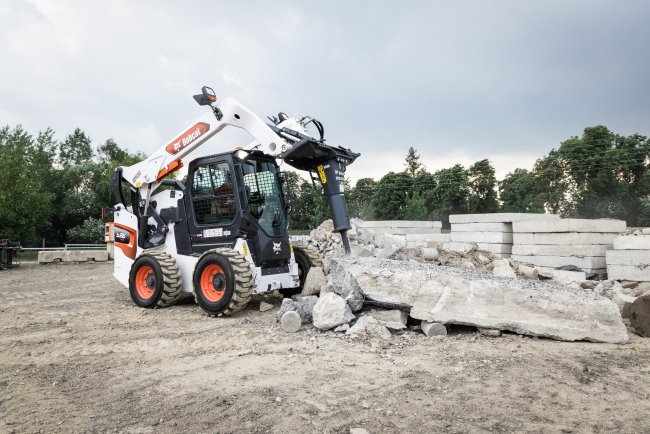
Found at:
<point>305,257</point>
<point>166,283</point>
<point>238,278</point>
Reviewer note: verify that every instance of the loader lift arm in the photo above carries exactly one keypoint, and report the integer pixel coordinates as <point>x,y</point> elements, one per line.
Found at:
<point>285,138</point>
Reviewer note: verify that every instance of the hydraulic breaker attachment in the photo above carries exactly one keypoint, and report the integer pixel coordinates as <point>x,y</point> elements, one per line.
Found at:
<point>328,164</point>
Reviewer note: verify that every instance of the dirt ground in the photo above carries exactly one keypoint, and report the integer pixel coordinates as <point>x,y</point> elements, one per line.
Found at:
<point>77,356</point>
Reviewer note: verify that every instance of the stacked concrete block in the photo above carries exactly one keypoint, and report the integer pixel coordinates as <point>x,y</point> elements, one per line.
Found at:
<point>630,259</point>
<point>567,242</point>
<point>45,257</point>
<point>413,233</point>
<point>489,232</point>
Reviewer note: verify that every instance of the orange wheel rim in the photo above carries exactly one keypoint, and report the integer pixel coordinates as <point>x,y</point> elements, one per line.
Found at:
<point>213,283</point>
<point>145,282</point>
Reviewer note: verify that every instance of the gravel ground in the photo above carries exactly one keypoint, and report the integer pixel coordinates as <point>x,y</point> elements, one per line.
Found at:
<point>76,356</point>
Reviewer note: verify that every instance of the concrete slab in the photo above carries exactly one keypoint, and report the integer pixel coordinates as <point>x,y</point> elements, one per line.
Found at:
<point>404,231</point>
<point>570,225</point>
<point>499,217</point>
<point>488,247</point>
<point>45,257</point>
<point>548,271</point>
<point>629,257</point>
<point>560,261</point>
<point>441,238</point>
<point>628,272</point>
<point>482,237</point>
<point>549,250</point>
<point>481,227</point>
<point>401,224</point>
<point>632,242</point>
<point>564,239</point>
<point>456,296</point>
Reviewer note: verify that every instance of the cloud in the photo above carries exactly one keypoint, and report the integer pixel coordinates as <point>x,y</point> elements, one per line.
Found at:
<point>505,80</point>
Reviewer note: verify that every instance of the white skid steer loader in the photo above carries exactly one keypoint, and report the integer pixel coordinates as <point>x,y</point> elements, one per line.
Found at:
<point>222,233</point>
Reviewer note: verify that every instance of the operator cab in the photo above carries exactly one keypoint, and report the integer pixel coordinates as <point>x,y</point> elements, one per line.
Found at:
<point>228,197</point>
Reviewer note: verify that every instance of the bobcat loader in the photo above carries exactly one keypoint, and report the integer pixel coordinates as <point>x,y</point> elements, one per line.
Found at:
<point>221,234</point>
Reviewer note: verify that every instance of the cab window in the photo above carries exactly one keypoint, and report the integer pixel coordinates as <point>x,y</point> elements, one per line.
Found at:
<point>213,196</point>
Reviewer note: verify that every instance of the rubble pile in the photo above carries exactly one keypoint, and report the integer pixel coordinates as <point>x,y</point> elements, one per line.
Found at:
<point>366,242</point>
<point>386,286</point>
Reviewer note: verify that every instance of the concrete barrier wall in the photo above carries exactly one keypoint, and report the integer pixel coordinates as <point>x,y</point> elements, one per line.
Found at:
<point>630,259</point>
<point>413,233</point>
<point>490,232</point>
<point>45,257</point>
<point>582,243</point>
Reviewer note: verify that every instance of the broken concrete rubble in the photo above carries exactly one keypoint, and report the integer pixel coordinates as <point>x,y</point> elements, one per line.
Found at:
<point>367,326</point>
<point>455,296</point>
<point>433,329</point>
<point>331,311</point>
<point>290,322</point>
<point>392,319</point>
<point>502,268</point>
<point>314,281</point>
<point>303,306</point>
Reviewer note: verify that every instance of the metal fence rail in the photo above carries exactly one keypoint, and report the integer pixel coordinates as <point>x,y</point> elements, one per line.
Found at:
<point>66,247</point>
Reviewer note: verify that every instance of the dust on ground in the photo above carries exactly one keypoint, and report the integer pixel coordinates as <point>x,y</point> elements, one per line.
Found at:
<point>77,355</point>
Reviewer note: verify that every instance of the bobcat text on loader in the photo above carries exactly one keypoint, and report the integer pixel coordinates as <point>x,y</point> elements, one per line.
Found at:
<point>222,233</point>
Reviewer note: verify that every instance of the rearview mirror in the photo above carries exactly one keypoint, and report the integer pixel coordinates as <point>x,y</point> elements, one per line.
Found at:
<point>207,96</point>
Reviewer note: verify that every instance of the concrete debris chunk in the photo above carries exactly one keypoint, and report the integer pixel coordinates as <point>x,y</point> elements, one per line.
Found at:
<point>456,296</point>
<point>359,431</point>
<point>305,306</point>
<point>528,272</point>
<point>489,332</point>
<point>623,301</point>
<point>391,319</point>
<point>564,277</point>
<point>433,329</point>
<point>367,326</point>
<point>342,328</point>
<point>502,268</point>
<point>430,253</point>
<point>290,322</point>
<point>288,305</point>
<point>331,311</point>
<point>314,281</point>
<point>264,306</point>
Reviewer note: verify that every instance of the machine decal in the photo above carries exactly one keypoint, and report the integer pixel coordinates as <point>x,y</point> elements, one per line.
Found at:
<point>277,247</point>
<point>244,247</point>
<point>211,233</point>
<point>125,238</point>
<point>188,137</point>
<point>321,173</point>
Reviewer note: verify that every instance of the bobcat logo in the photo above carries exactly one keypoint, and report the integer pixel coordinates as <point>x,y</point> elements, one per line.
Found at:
<point>277,247</point>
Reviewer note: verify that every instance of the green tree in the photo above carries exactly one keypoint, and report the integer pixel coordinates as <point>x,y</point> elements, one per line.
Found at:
<point>75,149</point>
<point>415,208</point>
<point>91,231</point>
<point>451,193</point>
<point>309,209</point>
<point>359,200</point>
<point>554,187</point>
<point>412,163</point>
<point>517,192</point>
<point>391,195</point>
<point>25,203</point>
<point>482,186</point>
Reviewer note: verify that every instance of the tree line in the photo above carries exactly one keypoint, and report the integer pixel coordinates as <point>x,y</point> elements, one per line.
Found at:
<point>597,175</point>
<point>53,191</point>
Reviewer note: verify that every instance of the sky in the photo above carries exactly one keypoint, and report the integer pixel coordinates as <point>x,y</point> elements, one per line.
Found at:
<point>459,81</point>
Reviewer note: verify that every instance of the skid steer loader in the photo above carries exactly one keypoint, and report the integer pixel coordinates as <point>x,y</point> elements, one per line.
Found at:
<point>221,234</point>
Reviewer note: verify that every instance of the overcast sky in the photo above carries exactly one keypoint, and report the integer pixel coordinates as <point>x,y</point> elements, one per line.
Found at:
<point>459,81</point>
